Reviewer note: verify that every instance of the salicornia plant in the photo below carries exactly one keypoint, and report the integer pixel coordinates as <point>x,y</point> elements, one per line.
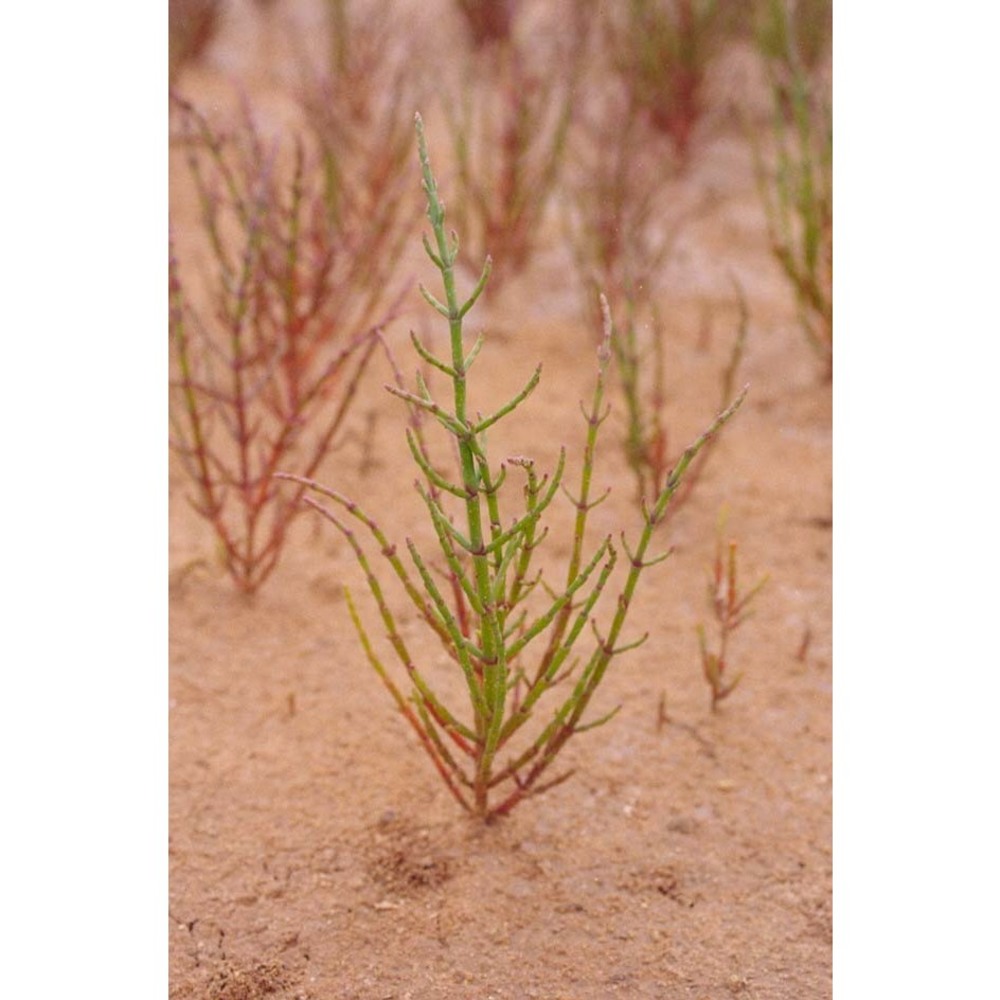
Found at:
<point>352,103</point>
<point>509,131</point>
<point>624,216</point>
<point>797,191</point>
<point>514,637</point>
<point>624,222</point>
<point>639,355</point>
<point>730,609</point>
<point>793,36</point>
<point>661,49</point>
<point>268,358</point>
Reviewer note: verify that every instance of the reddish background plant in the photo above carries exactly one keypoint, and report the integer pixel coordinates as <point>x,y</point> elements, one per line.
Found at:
<point>488,22</point>
<point>509,130</point>
<point>661,49</point>
<point>269,352</point>
<point>730,609</point>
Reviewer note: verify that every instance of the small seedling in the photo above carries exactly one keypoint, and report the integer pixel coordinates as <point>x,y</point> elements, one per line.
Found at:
<point>266,371</point>
<point>730,610</point>
<point>513,637</point>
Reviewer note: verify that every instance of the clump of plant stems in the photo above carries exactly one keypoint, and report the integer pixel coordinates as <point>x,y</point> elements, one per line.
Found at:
<point>730,610</point>
<point>661,49</point>
<point>640,365</point>
<point>269,352</point>
<point>624,226</point>
<point>509,132</point>
<point>623,220</point>
<point>514,637</point>
<point>793,36</point>
<point>353,105</point>
<point>797,191</point>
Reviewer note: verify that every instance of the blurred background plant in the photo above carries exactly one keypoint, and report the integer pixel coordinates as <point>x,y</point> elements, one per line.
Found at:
<point>270,339</point>
<point>509,126</point>
<point>624,223</point>
<point>793,37</point>
<point>661,51</point>
<point>621,219</point>
<point>192,24</point>
<point>796,181</point>
<point>357,107</point>
<point>488,22</point>
<point>640,365</point>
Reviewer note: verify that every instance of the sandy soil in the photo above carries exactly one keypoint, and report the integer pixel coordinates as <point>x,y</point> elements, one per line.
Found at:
<point>313,851</point>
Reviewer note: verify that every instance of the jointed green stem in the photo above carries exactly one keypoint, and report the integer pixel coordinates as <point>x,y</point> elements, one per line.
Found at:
<point>486,624</point>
